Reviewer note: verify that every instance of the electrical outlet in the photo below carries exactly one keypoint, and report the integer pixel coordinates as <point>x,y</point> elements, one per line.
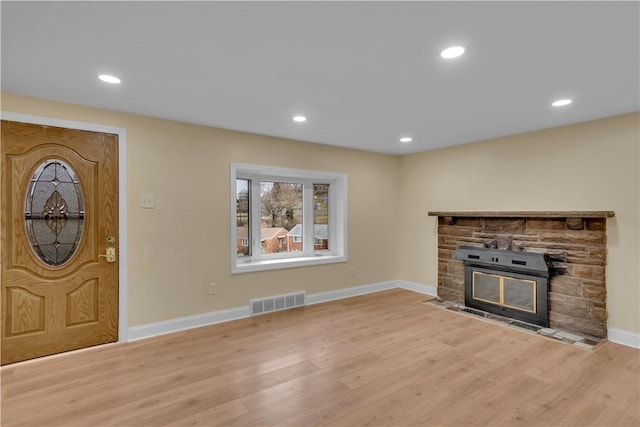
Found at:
<point>147,201</point>
<point>212,288</point>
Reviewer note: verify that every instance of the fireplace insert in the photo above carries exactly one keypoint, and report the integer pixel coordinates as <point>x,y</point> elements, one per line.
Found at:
<point>509,283</point>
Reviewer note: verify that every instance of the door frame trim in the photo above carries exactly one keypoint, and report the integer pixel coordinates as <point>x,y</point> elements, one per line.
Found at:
<point>123,326</point>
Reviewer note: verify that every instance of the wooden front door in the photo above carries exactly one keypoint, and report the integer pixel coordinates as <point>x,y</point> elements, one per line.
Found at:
<point>59,230</point>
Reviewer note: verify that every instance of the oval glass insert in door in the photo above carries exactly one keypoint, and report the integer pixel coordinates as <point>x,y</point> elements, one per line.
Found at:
<point>54,212</point>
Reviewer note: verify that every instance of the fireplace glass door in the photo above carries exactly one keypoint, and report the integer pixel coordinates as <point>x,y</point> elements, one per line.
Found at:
<point>505,291</point>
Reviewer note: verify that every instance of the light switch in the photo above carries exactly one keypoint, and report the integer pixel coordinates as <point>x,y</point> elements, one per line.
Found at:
<point>147,201</point>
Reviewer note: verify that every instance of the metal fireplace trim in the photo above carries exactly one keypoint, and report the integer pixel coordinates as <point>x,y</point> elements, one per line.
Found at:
<point>502,303</point>
<point>540,317</point>
<point>522,266</point>
<point>532,263</point>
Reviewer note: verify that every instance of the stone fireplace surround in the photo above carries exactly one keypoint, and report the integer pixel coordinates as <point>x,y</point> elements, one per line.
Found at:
<point>576,241</point>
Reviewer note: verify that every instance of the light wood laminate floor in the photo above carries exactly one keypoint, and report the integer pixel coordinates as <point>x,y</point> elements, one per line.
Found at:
<point>378,359</point>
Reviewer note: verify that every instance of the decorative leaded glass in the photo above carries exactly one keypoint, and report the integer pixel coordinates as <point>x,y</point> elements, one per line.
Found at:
<point>54,212</point>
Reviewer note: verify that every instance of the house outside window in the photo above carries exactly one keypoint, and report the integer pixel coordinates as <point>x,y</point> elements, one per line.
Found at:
<point>299,216</point>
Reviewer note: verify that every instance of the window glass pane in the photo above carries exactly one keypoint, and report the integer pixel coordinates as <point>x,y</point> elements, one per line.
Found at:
<point>281,222</point>
<point>320,216</point>
<point>242,218</point>
<point>54,212</point>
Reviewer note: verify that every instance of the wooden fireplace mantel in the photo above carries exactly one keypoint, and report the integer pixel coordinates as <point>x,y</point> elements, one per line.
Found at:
<point>524,214</point>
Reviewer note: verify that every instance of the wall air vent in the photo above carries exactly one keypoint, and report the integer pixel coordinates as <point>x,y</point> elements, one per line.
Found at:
<point>277,303</point>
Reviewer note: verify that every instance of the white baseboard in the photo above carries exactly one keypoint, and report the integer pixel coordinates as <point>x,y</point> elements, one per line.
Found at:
<point>625,338</point>
<point>417,287</point>
<point>183,323</point>
<point>617,336</point>
<point>349,292</point>
<point>149,330</point>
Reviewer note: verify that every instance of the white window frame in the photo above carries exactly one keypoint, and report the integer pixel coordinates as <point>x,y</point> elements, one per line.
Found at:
<point>258,261</point>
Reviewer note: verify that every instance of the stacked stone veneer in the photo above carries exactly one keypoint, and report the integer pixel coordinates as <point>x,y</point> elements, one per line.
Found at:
<point>577,294</point>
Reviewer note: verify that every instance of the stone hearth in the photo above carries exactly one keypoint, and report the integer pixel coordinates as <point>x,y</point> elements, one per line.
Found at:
<point>576,241</point>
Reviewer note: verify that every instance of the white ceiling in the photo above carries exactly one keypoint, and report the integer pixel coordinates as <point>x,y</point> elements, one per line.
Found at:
<point>365,73</point>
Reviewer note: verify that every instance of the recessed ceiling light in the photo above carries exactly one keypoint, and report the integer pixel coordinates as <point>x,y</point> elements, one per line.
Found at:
<point>299,119</point>
<point>561,102</point>
<point>406,139</point>
<point>452,52</point>
<point>108,78</point>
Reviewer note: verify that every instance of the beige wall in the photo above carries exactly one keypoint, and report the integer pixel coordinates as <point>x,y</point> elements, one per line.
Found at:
<point>588,166</point>
<point>176,249</point>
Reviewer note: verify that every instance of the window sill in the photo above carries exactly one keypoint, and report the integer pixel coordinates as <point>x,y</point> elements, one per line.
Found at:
<point>275,264</point>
